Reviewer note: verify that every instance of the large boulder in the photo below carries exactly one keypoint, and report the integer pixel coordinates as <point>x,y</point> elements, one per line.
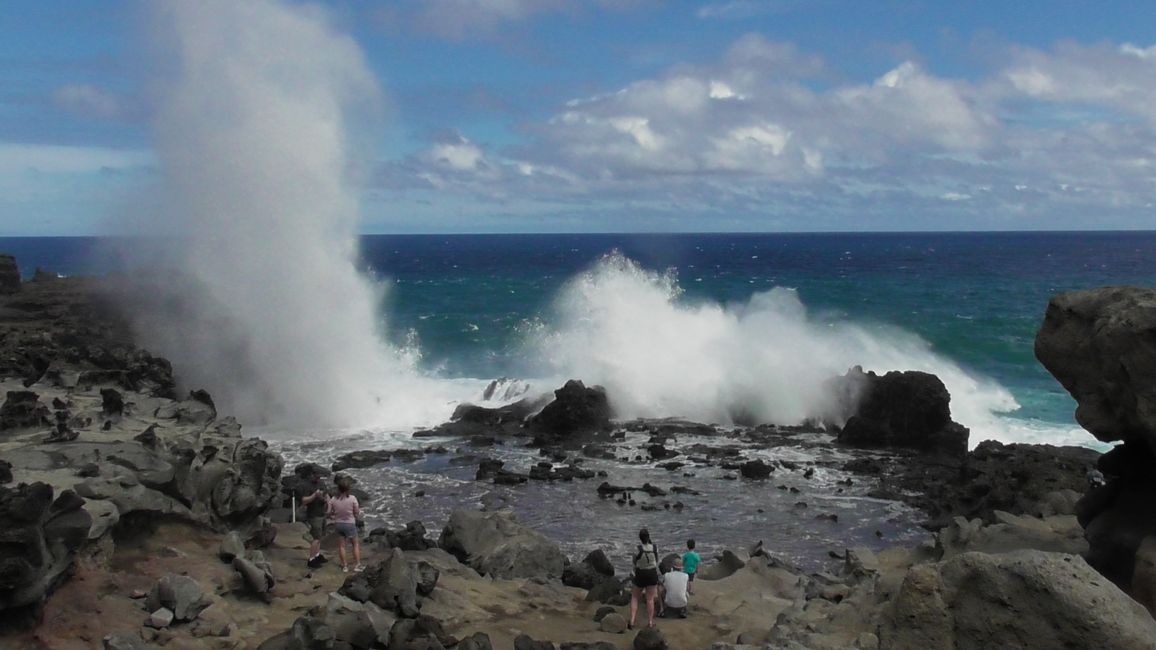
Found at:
<point>576,409</point>
<point>494,544</point>
<point>1024,599</point>
<point>903,409</point>
<point>182,595</point>
<point>9,274</point>
<point>593,569</point>
<point>1101,346</point>
<point>391,583</point>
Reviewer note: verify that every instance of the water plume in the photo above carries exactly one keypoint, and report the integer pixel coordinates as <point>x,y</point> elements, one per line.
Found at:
<point>766,360</point>
<point>253,137</point>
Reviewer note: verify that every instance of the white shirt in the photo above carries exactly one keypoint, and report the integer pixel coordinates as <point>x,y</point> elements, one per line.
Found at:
<point>675,583</point>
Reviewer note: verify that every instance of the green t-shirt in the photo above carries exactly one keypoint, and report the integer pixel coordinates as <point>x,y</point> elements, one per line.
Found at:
<point>690,561</point>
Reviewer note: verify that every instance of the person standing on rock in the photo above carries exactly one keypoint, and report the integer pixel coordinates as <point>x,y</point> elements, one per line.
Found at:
<point>645,578</point>
<point>315,509</point>
<point>690,560</point>
<point>345,511</point>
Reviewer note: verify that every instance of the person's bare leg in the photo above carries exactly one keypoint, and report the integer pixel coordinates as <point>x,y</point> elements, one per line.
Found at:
<point>650,605</point>
<point>356,551</point>
<point>341,551</point>
<point>635,595</point>
<point>314,548</point>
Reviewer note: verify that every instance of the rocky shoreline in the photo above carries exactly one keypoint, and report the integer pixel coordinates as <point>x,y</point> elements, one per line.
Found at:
<point>132,516</point>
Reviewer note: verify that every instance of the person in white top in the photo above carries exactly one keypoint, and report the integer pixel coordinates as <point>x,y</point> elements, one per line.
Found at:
<point>674,596</point>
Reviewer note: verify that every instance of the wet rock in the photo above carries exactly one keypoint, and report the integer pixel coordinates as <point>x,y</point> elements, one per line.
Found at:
<point>111,402</point>
<point>410,538</point>
<point>903,409</point>
<point>660,452</point>
<point>5,472</point>
<point>493,543</point>
<point>22,410</point>
<point>361,459</point>
<point>755,469</point>
<point>576,409</point>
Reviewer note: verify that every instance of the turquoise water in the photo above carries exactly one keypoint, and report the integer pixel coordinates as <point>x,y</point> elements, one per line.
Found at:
<point>472,303</point>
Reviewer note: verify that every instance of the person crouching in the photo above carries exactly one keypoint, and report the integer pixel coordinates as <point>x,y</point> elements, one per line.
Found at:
<point>674,590</point>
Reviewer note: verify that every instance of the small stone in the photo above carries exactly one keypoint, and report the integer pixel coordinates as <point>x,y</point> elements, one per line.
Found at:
<point>161,618</point>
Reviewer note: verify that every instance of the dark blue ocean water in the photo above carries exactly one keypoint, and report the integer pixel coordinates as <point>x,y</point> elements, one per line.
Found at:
<point>976,298</point>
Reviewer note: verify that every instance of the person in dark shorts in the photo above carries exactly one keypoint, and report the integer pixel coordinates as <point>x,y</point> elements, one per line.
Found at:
<point>316,505</point>
<point>645,578</point>
<point>345,511</point>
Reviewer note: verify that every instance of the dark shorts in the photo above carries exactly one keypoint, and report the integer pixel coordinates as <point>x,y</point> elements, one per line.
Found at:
<point>645,577</point>
<point>346,530</point>
<point>316,528</point>
<point>690,577</point>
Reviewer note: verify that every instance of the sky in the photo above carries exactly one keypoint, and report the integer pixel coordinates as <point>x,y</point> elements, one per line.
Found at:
<point>642,115</point>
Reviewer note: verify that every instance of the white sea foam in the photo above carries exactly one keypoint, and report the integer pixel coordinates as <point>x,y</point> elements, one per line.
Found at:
<point>768,359</point>
<point>253,139</point>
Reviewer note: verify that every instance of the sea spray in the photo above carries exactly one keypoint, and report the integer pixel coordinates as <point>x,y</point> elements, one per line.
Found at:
<point>252,135</point>
<point>763,360</point>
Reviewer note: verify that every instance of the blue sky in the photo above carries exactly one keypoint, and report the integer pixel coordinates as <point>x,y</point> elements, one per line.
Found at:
<point>643,115</point>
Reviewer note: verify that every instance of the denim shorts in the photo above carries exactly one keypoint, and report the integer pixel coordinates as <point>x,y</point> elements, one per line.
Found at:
<point>346,530</point>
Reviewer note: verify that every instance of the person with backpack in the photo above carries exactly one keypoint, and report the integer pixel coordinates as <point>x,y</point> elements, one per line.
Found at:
<point>645,578</point>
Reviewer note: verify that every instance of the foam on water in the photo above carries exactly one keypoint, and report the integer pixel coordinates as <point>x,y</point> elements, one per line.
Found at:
<point>766,360</point>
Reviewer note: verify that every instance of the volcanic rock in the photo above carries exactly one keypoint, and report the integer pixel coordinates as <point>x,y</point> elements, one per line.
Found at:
<point>903,409</point>
<point>493,543</point>
<point>22,409</point>
<point>576,409</point>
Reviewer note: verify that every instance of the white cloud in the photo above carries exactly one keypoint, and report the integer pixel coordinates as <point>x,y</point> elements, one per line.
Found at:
<point>765,129</point>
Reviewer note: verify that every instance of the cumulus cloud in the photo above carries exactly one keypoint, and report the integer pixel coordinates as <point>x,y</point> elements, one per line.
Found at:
<point>764,130</point>
<point>467,19</point>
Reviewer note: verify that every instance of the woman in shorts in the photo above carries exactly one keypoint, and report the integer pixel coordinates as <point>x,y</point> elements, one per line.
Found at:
<point>344,512</point>
<point>645,578</point>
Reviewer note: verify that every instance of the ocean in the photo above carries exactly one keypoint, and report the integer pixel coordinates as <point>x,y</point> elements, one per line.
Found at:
<point>714,327</point>
<point>486,306</point>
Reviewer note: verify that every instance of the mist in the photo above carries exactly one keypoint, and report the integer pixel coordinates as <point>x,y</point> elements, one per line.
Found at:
<point>766,360</point>
<point>253,133</point>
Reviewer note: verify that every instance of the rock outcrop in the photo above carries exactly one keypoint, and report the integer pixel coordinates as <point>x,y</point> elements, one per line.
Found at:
<point>39,539</point>
<point>576,409</point>
<point>1025,599</point>
<point>903,409</point>
<point>494,544</point>
<point>1101,346</point>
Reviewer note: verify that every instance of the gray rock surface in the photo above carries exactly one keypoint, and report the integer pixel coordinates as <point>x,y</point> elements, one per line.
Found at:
<point>1024,599</point>
<point>494,544</point>
<point>181,594</point>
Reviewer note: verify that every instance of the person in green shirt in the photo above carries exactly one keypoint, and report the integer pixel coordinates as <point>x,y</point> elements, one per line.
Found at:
<point>690,561</point>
